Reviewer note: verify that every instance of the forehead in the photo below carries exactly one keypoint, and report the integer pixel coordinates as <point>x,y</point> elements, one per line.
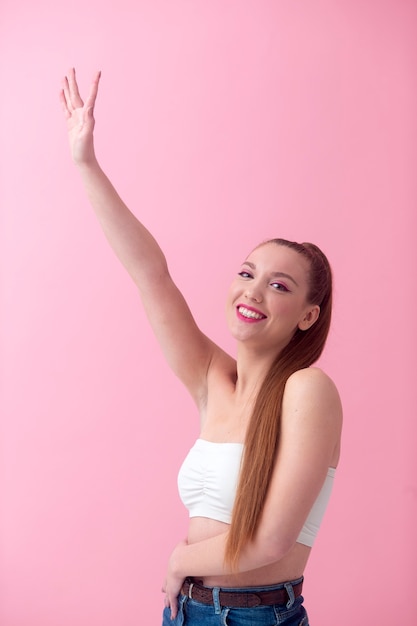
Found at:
<point>271,257</point>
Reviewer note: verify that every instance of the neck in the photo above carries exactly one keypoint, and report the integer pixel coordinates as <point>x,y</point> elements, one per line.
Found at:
<point>252,368</point>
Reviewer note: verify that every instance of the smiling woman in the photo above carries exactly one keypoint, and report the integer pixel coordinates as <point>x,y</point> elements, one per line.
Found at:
<point>258,479</point>
<point>288,299</point>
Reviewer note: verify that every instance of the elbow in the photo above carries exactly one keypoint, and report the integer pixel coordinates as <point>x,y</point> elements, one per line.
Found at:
<point>273,548</point>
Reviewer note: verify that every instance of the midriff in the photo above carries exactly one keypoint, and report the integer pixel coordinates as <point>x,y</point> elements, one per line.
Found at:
<point>288,568</point>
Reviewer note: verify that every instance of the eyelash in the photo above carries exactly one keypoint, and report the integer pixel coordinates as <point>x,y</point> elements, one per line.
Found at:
<point>277,286</point>
<point>281,287</point>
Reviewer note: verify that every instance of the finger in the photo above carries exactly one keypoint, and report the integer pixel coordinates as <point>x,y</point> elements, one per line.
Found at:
<point>91,99</point>
<point>65,94</point>
<point>63,101</point>
<point>173,603</point>
<point>74,94</point>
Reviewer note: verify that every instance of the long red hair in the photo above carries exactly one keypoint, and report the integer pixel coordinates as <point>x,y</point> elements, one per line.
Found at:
<point>262,436</point>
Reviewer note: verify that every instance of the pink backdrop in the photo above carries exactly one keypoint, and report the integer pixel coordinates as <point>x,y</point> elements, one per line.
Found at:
<point>221,123</point>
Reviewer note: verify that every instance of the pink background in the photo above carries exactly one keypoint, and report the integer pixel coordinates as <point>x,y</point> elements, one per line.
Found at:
<point>221,123</point>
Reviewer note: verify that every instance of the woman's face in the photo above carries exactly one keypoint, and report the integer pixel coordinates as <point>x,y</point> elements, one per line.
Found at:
<point>267,300</point>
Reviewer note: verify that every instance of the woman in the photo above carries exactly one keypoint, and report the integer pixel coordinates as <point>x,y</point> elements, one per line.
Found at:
<point>259,477</point>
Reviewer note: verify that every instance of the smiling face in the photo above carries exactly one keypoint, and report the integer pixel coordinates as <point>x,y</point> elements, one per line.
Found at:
<point>267,300</point>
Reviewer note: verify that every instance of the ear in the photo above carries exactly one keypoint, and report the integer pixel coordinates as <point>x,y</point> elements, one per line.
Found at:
<point>310,317</point>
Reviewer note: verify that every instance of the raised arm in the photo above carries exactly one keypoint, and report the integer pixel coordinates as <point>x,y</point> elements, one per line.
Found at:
<point>188,351</point>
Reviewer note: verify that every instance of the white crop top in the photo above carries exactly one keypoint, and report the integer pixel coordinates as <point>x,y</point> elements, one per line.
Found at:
<point>207,483</point>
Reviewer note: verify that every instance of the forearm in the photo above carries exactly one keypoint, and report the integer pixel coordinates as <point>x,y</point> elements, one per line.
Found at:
<point>206,558</point>
<point>131,241</point>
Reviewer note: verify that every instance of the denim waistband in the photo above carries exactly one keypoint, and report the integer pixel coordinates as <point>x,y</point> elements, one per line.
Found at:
<point>255,589</point>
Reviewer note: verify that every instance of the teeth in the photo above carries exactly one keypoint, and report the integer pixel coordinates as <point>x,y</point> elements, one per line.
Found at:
<point>251,314</point>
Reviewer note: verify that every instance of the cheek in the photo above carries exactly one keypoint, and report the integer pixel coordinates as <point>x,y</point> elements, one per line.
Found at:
<point>231,300</point>
<point>287,311</point>
<point>232,294</point>
<point>230,304</point>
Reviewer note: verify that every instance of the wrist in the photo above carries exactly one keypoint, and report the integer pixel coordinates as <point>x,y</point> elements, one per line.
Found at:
<point>87,164</point>
<point>175,563</point>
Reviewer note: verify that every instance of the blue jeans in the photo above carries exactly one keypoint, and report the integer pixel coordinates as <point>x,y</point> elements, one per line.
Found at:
<point>193,613</point>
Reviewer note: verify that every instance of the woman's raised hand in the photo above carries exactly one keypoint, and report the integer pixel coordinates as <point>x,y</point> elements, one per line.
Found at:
<point>80,117</point>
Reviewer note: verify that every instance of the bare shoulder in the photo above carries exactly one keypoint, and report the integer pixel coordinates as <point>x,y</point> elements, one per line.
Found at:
<point>313,382</point>
<point>313,393</point>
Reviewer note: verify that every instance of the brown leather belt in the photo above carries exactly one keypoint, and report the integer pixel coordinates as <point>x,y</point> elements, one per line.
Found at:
<point>241,599</point>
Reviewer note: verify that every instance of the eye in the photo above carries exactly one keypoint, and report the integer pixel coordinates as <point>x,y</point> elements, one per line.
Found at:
<point>245,274</point>
<point>279,287</point>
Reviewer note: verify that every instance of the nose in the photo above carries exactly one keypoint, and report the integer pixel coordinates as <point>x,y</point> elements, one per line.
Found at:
<point>253,294</point>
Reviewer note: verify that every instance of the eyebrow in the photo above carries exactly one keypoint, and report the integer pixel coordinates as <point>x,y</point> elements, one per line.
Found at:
<point>275,274</point>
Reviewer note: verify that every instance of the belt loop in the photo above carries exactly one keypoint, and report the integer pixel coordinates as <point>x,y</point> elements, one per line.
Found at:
<point>216,600</point>
<point>289,589</point>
